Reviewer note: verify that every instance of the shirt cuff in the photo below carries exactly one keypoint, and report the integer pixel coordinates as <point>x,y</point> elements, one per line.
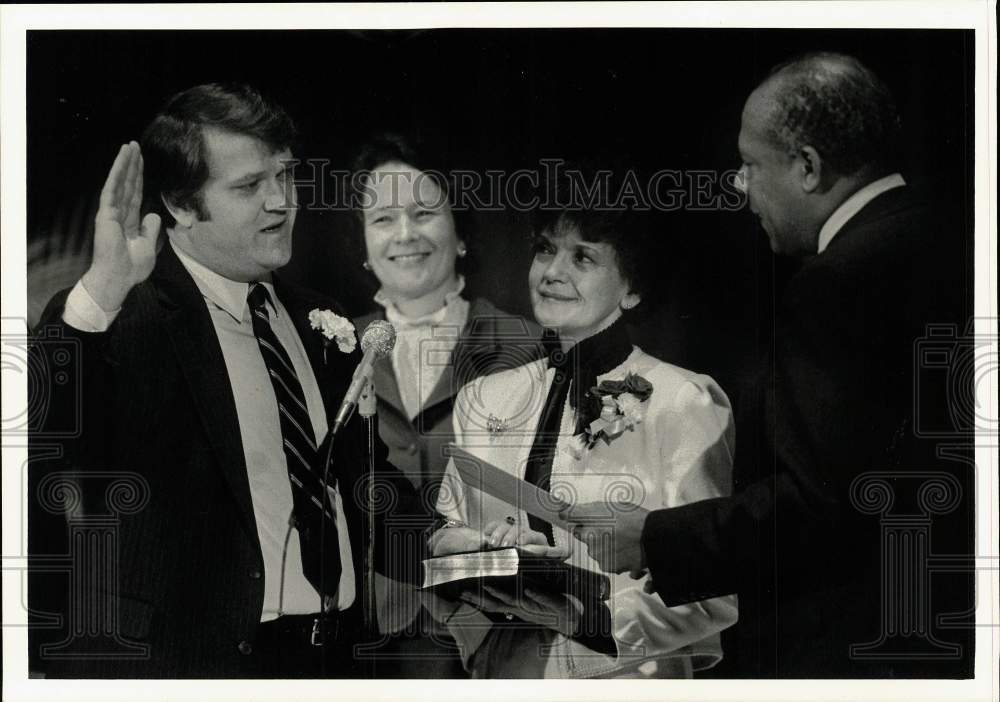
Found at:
<point>83,313</point>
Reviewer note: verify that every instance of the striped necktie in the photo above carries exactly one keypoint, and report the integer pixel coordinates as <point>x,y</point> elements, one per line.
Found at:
<point>301,454</point>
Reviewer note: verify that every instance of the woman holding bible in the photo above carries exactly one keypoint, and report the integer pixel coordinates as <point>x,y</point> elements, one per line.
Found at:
<point>597,419</point>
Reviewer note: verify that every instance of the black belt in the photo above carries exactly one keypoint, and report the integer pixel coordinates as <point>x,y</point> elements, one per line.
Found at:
<point>289,647</point>
<point>296,629</point>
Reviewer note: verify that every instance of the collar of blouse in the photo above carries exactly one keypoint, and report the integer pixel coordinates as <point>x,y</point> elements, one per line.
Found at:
<point>588,359</point>
<point>452,301</point>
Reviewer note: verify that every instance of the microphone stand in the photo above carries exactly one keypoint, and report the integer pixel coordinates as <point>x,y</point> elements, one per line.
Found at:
<point>366,409</point>
<point>319,626</point>
<point>377,343</point>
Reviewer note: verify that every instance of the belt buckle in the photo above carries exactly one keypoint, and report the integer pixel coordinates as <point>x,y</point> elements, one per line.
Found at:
<point>317,637</point>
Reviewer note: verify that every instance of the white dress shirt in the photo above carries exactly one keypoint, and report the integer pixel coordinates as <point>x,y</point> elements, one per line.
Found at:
<point>260,429</point>
<point>852,205</point>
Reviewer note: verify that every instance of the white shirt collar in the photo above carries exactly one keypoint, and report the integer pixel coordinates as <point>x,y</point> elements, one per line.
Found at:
<point>852,205</point>
<point>397,318</point>
<point>228,295</point>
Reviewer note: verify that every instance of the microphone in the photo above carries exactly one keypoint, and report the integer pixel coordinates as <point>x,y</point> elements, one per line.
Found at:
<point>376,343</point>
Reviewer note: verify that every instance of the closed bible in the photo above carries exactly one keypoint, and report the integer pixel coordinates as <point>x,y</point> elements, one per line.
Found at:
<point>511,570</point>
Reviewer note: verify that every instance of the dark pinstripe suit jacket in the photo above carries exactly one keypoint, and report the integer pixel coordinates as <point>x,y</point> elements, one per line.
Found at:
<point>185,587</point>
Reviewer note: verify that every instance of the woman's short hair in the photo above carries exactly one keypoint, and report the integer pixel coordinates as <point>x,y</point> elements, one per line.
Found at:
<point>389,147</point>
<point>589,200</point>
<point>430,155</point>
<point>173,145</point>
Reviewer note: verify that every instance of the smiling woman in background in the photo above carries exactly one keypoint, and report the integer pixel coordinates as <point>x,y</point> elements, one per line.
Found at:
<point>413,241</point>
<point>598,419</point>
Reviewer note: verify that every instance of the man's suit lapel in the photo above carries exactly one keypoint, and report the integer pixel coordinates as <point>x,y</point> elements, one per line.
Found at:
<point>196,344</point>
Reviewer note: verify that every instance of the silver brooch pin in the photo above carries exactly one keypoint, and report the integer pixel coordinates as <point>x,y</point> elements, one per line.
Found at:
<point>495,425</point>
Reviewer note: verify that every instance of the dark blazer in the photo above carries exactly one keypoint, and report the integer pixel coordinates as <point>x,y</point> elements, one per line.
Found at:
<point>158,411</point>
<point>492,340</point>
<point>800,540</point>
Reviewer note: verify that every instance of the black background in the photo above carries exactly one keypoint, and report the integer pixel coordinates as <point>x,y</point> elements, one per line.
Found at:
<point>498,99</point>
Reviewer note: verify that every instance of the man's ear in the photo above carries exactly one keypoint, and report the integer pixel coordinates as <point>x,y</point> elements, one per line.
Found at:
<point>185,217</point>
<point>811,166</point>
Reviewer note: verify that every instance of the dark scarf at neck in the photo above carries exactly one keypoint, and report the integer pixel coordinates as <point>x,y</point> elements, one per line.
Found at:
<point>586,360</point>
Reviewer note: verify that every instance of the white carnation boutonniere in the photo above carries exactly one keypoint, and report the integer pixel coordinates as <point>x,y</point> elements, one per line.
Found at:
<point>622,407</point>
<point>333,327</point>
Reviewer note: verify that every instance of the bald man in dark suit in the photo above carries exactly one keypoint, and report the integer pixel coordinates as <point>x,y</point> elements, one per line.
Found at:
<point>801,540</point>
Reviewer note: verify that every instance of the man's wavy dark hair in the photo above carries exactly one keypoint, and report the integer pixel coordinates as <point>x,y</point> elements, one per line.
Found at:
<point>837,105</point>
<point>173,145</point>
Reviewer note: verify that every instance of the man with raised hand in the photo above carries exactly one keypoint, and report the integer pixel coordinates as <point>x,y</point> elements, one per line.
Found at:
<point>204,387</point>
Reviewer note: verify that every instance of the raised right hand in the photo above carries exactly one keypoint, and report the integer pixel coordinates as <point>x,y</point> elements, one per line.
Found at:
<point>124,249</point>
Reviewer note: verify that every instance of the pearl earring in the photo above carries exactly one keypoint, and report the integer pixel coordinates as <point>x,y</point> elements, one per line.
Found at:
<point>462,251</point>
<point>367,266</point>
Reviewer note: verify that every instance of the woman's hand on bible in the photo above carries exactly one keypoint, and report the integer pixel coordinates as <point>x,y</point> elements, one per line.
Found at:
<point>507,533</point>
<point>456,539</point>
